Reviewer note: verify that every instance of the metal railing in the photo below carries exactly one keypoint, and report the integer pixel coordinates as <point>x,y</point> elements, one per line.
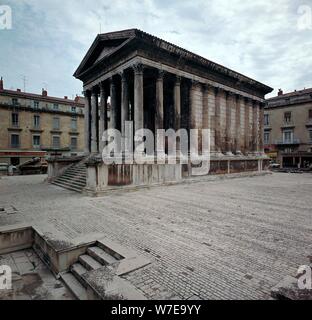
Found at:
<point>287,142</point>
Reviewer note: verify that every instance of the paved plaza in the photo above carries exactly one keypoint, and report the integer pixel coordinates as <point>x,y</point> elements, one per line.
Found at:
<point>224,239</point>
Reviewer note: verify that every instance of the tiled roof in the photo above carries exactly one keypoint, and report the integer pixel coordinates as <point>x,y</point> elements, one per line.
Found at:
<point>292,94</point>
<point>26,95</point>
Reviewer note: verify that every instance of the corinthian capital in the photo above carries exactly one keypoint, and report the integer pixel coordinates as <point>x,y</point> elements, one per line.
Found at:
<point>138,68</point>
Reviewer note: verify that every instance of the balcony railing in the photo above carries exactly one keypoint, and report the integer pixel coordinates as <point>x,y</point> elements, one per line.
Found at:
<point>287,142</point>
<point>288,123</point>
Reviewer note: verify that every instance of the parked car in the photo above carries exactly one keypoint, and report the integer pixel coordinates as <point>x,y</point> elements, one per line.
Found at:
<point>274,165</point>
<point>4,169</point>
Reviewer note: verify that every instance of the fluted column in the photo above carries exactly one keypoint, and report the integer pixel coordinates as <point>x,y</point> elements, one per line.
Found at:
<point>103,115</point>
<point>261,135</point>
<point>193,105</point>
<point>177,102</point>
<point>177,107</point>
<point>228,133</point>
<point>87,131</point>
<point>255,127</point>
<point>217,126</point>
<point>238,125</point>
<point>205,106</point>
<point>94,119</point>
<point>124,102</point>
<point>113,107</point>
<point>159,115</point>
<point>138,97</point>
<point>247,125</point>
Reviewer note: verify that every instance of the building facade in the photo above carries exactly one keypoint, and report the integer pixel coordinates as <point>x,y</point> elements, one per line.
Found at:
<point>158,85</point>
<point>34,125</point>
<point>288,128</point>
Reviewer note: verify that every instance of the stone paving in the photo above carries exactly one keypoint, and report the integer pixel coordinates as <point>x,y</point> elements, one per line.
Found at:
<point>31,279</point>
<point>225,239</point>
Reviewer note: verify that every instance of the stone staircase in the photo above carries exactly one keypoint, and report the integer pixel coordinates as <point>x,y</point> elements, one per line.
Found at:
<point>94,259</point>
<point>74,178</point>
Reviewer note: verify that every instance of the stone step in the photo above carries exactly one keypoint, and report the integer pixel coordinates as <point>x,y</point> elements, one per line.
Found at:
<point>76,171</point>
<point>89,263</point>
<point>101,256</point>
<point>76,178</point>
<point>71,184</point>
<point>67,187</point>
<point>72,181</point>
<point>77,289</point>
<point>78,270</point>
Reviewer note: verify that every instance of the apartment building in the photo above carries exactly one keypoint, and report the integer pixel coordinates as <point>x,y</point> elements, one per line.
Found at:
<point>37,125</point>
<point>288,128</point>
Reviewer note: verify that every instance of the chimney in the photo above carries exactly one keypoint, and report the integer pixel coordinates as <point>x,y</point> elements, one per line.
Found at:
<point>280,92</point>
<point>18,90</point>
<point>44,93</point>
<point>1,84</point>
<point>65,97</point>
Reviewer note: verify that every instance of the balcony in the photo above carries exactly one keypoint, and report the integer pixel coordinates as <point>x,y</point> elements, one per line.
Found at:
<point>309,123</point>
<point>287,142</point>
<point>288,124</point>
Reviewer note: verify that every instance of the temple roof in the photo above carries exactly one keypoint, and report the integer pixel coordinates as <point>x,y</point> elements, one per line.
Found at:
<point>117,41</point>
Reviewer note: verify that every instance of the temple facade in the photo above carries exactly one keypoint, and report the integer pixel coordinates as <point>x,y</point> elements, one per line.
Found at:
<point>158,85</point>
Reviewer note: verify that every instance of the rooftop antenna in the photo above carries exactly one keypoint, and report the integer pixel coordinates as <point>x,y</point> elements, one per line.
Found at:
<point>45,86</point>
<point>24,79</point>
<point>100,28</point>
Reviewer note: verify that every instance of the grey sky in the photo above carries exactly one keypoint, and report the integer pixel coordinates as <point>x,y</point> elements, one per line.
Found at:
<point>259,38</point>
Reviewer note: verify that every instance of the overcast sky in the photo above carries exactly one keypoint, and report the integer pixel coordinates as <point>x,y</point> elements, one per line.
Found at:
<point>270,41</point>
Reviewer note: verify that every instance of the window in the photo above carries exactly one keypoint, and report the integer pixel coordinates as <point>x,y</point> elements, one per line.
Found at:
<point>36,121</point>
<point>55,106</point>
<point>74,109</point>
<point>288,136</point>
<point>56,141</point>
<point>266,120</point>
<point>310,135</point>
<point>14,101</point>
<point>287,117</point>
<point>15,122</point>
<point>74,124</point>
<point>310,114</point>
<point>36,142</point>
<point>56,123</point>
<point>266,138</point>
<point>73,143</point>
<point>15,142</point>
<point>36,104</point>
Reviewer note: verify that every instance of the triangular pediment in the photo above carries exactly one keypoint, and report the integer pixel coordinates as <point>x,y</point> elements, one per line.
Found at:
<point>103,46</point>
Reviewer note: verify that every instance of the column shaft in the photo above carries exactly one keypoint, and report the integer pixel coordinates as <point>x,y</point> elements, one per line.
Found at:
<point>159,115</point>
<point>87,132</point>
<point>228,131</point>
<point>177,103</point>
<point>94,119</point>
<point>113,107</point>
<point>124,103</point>
<point>261,142</point>
<point>218,120</point>
<point>206,107</point>
<point>238,125</point>
<point>247,126</point>
<point>193,105</point>
<point>138,98</point>
<point>103,116</point>
<point>255,127</point>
